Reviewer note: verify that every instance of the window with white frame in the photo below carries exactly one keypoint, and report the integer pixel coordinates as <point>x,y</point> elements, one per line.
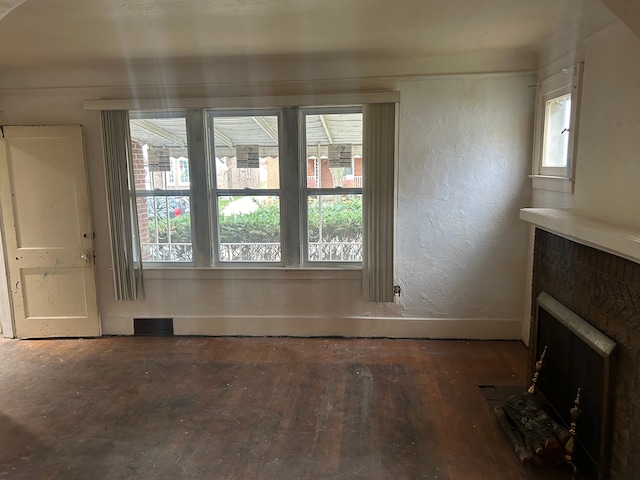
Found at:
<point>162,186</point>
<point>556,130</point>
<point>246,187</point>
<point>279,187</point>
<point>153,221</point>
<point>333,143</point>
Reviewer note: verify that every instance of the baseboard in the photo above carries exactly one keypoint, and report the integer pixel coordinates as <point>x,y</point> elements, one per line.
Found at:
<point>117,325</point>
<point>473,329</point>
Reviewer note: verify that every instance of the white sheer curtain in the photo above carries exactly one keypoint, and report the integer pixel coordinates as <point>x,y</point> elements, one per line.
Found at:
<point>121,202</point>
<point>378,152</point>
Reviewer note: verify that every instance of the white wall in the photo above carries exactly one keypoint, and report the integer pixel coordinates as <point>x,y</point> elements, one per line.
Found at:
<point>628,11</point>
<point>608,162</point>
<point>461,250</point>
<point>465,146</point>
<point>607,174</point>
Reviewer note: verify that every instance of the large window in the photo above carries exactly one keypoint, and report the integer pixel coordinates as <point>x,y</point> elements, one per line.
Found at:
<point>276,187</point>
<point>287,186</point>
<point>556,130</point>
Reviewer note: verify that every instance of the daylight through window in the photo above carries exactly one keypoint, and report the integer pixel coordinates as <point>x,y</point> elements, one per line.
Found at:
<point>556,130</point>
<point>257,203</point>
<point>162,185</point>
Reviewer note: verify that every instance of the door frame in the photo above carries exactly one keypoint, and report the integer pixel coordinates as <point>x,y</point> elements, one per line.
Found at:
<point>6,309</point>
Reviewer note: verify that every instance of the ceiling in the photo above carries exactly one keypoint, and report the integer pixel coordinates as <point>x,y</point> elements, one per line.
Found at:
<point>79,33</point>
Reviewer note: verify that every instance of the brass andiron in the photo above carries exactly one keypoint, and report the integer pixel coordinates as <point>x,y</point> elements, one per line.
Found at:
<point>570,447</point>
<point>539,363</point>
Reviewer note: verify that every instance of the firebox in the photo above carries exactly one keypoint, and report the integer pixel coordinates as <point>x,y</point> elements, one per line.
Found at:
<point>578,356</point>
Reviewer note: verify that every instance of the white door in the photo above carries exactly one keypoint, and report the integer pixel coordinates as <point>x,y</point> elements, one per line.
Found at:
<point>47,232</point>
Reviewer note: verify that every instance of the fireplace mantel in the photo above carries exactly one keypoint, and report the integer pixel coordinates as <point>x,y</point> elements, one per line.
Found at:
<point>621,240</point>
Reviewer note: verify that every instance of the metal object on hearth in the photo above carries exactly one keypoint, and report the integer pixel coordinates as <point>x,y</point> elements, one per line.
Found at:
<point>536,374</point>
<point>570,447</point>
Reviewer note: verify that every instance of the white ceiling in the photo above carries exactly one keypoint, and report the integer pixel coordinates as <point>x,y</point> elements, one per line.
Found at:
<point>78,33</point>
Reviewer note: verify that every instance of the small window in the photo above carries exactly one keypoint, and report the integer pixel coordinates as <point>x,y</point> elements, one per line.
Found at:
<point>183,171</point>
<point>556,130</point>
<point>557,123</point>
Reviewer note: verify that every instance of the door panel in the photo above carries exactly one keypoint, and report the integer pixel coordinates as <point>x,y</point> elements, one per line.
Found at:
<point>44,291</point>
<point>37,210</point>
<point>47,229</point>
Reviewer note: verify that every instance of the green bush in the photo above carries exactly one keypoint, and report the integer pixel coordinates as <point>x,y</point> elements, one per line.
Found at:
<point>342,222</point>
<point>180,229</point>
<point>261,226</point>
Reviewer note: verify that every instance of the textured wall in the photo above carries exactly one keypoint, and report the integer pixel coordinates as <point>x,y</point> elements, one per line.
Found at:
<point>464,160</point>
<point>604,290</point>
<point>461,251</point>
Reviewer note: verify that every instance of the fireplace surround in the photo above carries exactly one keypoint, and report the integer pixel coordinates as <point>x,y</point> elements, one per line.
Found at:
<point>576,356</point>
<point>604,290</point>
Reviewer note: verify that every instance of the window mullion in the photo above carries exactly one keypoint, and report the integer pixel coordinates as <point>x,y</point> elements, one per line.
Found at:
<point>199,176</point>
<point>290,186</point>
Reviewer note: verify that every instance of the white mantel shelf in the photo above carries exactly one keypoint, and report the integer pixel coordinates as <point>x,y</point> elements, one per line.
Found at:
<point>621,240</point>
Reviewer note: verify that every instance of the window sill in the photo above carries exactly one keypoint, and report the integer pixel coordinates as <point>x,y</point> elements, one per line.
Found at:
<point>556,184</point>
<point>191,273</point>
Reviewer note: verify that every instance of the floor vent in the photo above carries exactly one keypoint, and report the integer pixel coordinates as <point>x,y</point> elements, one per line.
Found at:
<point>153,327</point>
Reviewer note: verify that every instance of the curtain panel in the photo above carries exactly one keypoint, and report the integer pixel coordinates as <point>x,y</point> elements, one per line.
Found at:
<point>121,203</point>
<point>379,132</point>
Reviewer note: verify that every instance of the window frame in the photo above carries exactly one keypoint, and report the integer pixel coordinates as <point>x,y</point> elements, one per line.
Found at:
<point>178,191</point>
<point>203,189</point>
<point>380,136</point>
<point>567,81</point>
<point>559,171</point>
<point>305,190</point>
<point>211,115</point>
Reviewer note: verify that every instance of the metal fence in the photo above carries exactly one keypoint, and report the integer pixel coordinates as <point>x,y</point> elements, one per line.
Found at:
<point>335,252</point>
<point>250,252</point>
<point>253,252</point>
<point>167,252</point>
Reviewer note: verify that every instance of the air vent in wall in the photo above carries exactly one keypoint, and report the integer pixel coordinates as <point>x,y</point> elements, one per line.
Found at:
<point>153,327</point>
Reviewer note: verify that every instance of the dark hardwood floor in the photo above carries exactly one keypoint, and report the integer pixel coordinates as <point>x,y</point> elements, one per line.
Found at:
<point>254,408</point>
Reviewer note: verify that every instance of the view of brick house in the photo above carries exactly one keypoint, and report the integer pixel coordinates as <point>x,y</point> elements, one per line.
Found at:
<point>150,208</point>
<point>140,169</point>
<point>320,175</point>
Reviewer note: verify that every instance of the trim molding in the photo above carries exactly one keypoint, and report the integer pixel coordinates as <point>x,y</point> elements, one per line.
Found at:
<point>6,310</point>
<point>621,240</point>
<point>437,328</point>
<point>557,184</point>
<point>244,102</point>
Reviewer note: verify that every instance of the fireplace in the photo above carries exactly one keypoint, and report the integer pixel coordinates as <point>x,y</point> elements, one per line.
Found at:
<point>577,356</point>
<point>604,290</point>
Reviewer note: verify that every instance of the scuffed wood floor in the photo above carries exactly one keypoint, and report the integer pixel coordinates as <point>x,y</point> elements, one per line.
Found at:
<point>254,408</point>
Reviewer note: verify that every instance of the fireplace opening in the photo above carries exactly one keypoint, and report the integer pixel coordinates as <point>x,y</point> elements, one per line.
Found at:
<point>578,356</point>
